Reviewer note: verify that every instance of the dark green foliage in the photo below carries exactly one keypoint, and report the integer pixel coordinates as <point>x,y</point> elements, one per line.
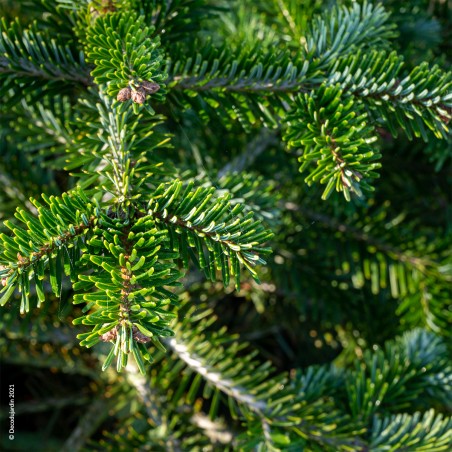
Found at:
<point>113,142</point>
<point>32,60</point>
<point>222,239</point>
<point>51,241</point>
<point>130,293</point>
<point>124,55</point>
<point>347,29</point>
<point>421,98</point>
<point>337,138</point>
<point>182,286</point>
<point>417,432</point>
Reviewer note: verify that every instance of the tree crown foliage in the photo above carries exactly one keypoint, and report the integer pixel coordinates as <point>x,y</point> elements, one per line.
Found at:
<point>245,203</point>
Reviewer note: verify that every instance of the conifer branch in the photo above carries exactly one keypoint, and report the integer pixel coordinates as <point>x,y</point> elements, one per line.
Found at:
<point>198,84</point>
<point>346,280</point>
<point>29,55</point>
<point>423,264</point>
<point>115,152</point>
<point>405,432</point>
<point>382,383</point>
<point>335,136</point>
<point>128,306</point>
<point>131,68</point>
<point>230,240</point>
<point>419,98</point>
<point>265,410</point>
<point>347,28</point>
<point>151,402</point>
<point>45,243</point>
<point>229,387</point>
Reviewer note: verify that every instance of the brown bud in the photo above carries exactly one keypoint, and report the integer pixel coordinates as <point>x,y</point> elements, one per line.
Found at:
<point>108,6</point>
<point>139,336</point>
<point>22,260</point>
<point>109,335</point>
<point>150,87</point>
<point>124,94</point>
<point>2,267</point>
<point>139,96</point>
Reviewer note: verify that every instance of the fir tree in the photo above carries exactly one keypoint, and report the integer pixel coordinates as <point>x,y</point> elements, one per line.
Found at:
<point>229,222</point>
